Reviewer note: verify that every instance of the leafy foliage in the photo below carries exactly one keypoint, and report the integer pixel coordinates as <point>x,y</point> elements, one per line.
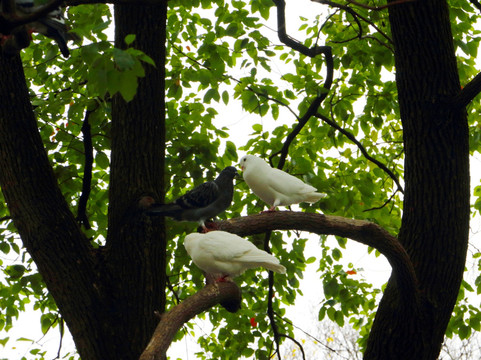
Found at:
<point>220,53</point>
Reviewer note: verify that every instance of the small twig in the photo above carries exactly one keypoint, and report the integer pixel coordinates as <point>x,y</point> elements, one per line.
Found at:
<point>307,334</point>
<point>476,4</point>
<point>357,15</point>
<point>230,77</point>
<point>297,343</point>
<point>385,203</point>
<point>377,8</point>
<point>171,288</point>
<point>362,149</point>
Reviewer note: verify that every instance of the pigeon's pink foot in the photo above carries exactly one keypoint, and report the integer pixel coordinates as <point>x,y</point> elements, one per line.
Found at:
<point>224,278</point>
<point>271,209</point>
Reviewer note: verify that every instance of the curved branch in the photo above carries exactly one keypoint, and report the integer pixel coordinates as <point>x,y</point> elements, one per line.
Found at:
<point>362,231</point>
<point>311,52</point>
<point>172,321</point>
<point>362,149</point>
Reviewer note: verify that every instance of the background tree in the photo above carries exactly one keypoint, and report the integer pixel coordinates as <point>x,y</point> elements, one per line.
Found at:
<point>86,143</point>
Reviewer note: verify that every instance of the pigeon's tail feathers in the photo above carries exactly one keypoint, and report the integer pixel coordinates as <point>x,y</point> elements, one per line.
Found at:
<point>172,210</point>
<point>264,259</point>
<point>314,197</point>
<point>278,268</point>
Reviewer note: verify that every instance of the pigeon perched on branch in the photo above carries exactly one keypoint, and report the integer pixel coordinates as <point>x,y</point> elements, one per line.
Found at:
<point>203,202</point>
<point>52,25</point>
<point>224,255</point>
<point>274,186</point>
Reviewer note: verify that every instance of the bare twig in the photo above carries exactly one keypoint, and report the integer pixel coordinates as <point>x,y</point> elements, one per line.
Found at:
<point>476,4</point>
<point>385,203</point>
<point>362,149</point>
<point>377,8</point>
<point>355,14</point>
<point>297,343</point>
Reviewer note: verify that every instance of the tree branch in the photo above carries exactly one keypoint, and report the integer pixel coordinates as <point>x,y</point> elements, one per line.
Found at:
<point>87,179</point>
<point>270,295</point>
<point>476,4</point>
<point>469,92</point>
<point>172,321</point>
<point>356,14</point>
<point>362,149</point>
<point>7,24</point>
<point>362,231</point>
<point>311,52</point>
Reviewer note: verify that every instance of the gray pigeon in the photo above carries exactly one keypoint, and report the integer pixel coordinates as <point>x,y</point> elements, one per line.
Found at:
<point>201,203</point>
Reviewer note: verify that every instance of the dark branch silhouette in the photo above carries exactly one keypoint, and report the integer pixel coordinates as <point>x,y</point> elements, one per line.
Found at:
<point>362,149</point>
<point>82,217</point>
<point>8,23</point>
<point>322,94</point>
<point>173,320</point>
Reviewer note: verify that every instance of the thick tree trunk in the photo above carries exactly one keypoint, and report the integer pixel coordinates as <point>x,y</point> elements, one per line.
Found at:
<point>135,251</point>
<point>47,227</point>
<point>107,297</point>
<point>435,222</point>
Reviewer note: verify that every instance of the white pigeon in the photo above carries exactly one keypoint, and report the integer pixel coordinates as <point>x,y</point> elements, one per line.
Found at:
<point>274,186</point>
<point>223,255</point>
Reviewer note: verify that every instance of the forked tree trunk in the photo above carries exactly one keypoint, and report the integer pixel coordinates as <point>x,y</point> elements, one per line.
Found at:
<point>435,220</point>
<point>107,297</point>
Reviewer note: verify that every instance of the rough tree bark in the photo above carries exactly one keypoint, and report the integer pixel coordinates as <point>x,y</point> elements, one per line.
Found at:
<point>107,297</point>
<point>435,221</point>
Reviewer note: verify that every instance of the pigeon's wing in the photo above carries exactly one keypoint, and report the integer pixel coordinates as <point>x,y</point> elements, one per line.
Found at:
<point>199,197</point>
<point>286,184</point>
<point>230,248</point>
<point>225,246</point>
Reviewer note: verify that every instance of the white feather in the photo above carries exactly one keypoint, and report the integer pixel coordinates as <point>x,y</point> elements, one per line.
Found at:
<point>226,254</point>
<point>274,186</point>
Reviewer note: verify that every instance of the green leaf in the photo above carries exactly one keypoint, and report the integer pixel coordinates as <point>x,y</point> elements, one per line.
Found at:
<point>101,160</point>
<point>129,39</point>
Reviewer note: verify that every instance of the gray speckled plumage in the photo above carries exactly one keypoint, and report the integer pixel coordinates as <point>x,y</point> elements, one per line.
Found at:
<point>203,202</point>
